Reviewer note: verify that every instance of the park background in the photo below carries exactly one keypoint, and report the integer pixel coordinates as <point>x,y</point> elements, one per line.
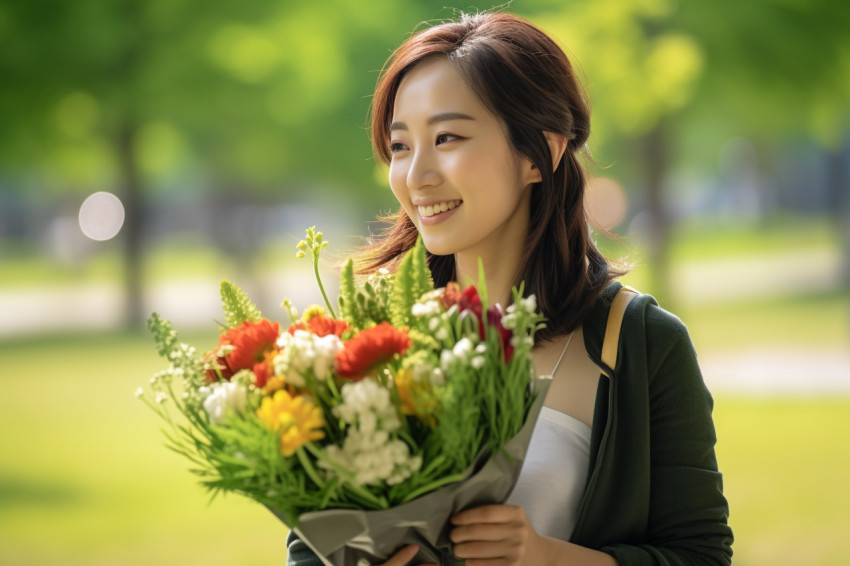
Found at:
<point>721,151</point>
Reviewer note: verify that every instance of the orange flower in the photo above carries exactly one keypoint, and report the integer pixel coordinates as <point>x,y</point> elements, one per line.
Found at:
<point>251,343</point>
<point>451,296</point>
<point>369,348</point>
<point>321,326</point>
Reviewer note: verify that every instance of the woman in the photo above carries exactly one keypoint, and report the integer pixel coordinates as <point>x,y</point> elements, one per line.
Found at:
<point>483,122</point>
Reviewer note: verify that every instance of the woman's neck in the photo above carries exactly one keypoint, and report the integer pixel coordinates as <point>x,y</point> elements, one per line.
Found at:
<point>501,268</point>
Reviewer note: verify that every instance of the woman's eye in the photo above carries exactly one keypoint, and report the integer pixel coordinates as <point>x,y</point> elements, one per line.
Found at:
<point>396,147</point>
<point>443,138</point>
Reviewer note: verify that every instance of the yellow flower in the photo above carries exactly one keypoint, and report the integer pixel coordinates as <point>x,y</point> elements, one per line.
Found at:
<point>417,396</point>
<point>275,383</point>
<point>312,312</point>
<point>296,420</point>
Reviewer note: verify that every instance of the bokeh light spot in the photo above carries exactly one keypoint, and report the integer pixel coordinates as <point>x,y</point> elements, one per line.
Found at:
<point>101,216</point>
<point>606,202</point>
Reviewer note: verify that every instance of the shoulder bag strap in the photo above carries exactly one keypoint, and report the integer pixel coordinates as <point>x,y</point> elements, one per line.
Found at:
<point>612,330</point>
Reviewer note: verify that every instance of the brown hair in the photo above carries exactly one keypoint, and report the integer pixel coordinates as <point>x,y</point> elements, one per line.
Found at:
<point>525,80</point>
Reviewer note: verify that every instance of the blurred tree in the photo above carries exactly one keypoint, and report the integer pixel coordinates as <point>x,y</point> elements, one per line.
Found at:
<point>190,96</point>
<point>674,80</point>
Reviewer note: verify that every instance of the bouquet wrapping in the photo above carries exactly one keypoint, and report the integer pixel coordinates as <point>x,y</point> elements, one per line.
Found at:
<point>345,537</point>
<point>366,430</point>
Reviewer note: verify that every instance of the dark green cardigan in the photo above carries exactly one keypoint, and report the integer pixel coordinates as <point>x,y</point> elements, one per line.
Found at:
<point>654,495</point>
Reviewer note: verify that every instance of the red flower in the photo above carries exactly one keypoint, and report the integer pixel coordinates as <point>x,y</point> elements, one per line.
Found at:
<point>321,326</point>
<point>369,348</point>
<point>265,369</point>
<point>494,318</point>
<point>251,342</point>
<point>470,301</point>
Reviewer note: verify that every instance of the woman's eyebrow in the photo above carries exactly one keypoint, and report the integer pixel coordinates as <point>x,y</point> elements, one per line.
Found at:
<point>444,117</point>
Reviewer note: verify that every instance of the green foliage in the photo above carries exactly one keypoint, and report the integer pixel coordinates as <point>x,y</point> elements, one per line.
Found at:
<point>373,298</point>
<point>237,306</point>
<point>421,271</point>
<point>180,356</point>
<point>412,280</point>
<point>348,306</point>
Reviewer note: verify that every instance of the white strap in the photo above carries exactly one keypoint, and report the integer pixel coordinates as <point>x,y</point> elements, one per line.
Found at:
<point>564,351</point>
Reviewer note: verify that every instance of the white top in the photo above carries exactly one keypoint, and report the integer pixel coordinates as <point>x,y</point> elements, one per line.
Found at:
<point>553,477</point>
<point>551,483</point>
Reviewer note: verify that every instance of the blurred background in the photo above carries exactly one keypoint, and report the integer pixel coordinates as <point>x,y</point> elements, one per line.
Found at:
<point>149,150</point>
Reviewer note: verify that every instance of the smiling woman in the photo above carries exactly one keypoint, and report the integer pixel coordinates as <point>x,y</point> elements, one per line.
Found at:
<point>483,124</point>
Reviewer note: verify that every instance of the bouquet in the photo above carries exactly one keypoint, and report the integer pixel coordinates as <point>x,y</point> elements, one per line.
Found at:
<point>364,428</point>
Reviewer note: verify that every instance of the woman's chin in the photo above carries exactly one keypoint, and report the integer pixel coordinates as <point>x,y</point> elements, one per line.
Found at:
<point>437,246</point>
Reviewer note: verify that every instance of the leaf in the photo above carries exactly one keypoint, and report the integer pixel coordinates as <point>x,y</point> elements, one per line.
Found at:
<point>237,306</point>
<point>404,292</point>
<point>349,307</point>
<point>164,335</point>
<point>422,273</point>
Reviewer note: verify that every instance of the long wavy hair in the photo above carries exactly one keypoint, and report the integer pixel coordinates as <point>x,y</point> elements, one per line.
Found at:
<point>524,78</point>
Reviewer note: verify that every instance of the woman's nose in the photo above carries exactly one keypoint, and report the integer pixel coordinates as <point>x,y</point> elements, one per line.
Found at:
<point>424,171</point>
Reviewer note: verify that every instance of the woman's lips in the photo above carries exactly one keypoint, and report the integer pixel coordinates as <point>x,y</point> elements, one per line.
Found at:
<point>439,217</point>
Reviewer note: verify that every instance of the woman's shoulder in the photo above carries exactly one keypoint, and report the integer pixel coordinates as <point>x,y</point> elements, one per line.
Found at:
<point>645,322</point>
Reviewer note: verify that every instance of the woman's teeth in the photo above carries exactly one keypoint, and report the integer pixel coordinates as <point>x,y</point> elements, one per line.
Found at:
<point>438,208</point>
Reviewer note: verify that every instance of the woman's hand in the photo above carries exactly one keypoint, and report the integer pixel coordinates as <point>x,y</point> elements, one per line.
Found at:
<point>403,556</point>
<point>496,535</point>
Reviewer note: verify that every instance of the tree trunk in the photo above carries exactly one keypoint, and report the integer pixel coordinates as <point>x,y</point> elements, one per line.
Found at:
<point>656,157</point>
<point>133,224</point>
<point>839,197</point>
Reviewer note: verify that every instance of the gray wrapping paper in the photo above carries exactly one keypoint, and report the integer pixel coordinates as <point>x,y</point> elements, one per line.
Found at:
<point>345,537</point>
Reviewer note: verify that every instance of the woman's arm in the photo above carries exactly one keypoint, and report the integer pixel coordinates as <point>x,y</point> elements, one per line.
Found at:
<point>501,535</point>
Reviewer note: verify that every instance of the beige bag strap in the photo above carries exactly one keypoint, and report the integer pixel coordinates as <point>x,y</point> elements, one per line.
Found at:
<point>615,321</point>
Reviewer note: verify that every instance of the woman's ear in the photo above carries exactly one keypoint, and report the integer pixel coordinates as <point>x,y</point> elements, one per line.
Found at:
<point>557,147</point>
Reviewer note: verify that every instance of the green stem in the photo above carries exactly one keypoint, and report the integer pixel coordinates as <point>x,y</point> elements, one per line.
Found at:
<point>366,496</point>
<point>308,467</point>
<point>432,486</point>
<point>322,287</point>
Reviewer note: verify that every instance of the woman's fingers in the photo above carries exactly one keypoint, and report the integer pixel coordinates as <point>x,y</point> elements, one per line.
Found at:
<point>403,556</point>
<point>488,514</point>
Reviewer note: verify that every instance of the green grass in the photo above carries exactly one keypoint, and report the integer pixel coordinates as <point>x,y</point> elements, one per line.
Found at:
<point>85,479</point>
<point>785,464</point>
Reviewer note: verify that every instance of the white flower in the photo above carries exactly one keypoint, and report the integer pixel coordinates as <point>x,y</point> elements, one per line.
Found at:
<point>477,362</point>
<point>446,359</point>
<point>368,448</point>
<point>303,352</point>
<point>441,334</point>
<point>367,404</point>
<point>438,378</point>
<point>463,348</point>
<point>161,397</point>
<point>374,458</point>
<point>139,392</point>
<point>428,308</point>
<point>509,320</point>
<point>223,397</point>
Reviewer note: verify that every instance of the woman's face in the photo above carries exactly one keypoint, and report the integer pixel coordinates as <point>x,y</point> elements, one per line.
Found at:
<point>452,168</point>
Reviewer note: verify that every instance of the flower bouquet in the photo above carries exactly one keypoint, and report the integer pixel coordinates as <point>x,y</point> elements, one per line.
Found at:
<point>362,430</point>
